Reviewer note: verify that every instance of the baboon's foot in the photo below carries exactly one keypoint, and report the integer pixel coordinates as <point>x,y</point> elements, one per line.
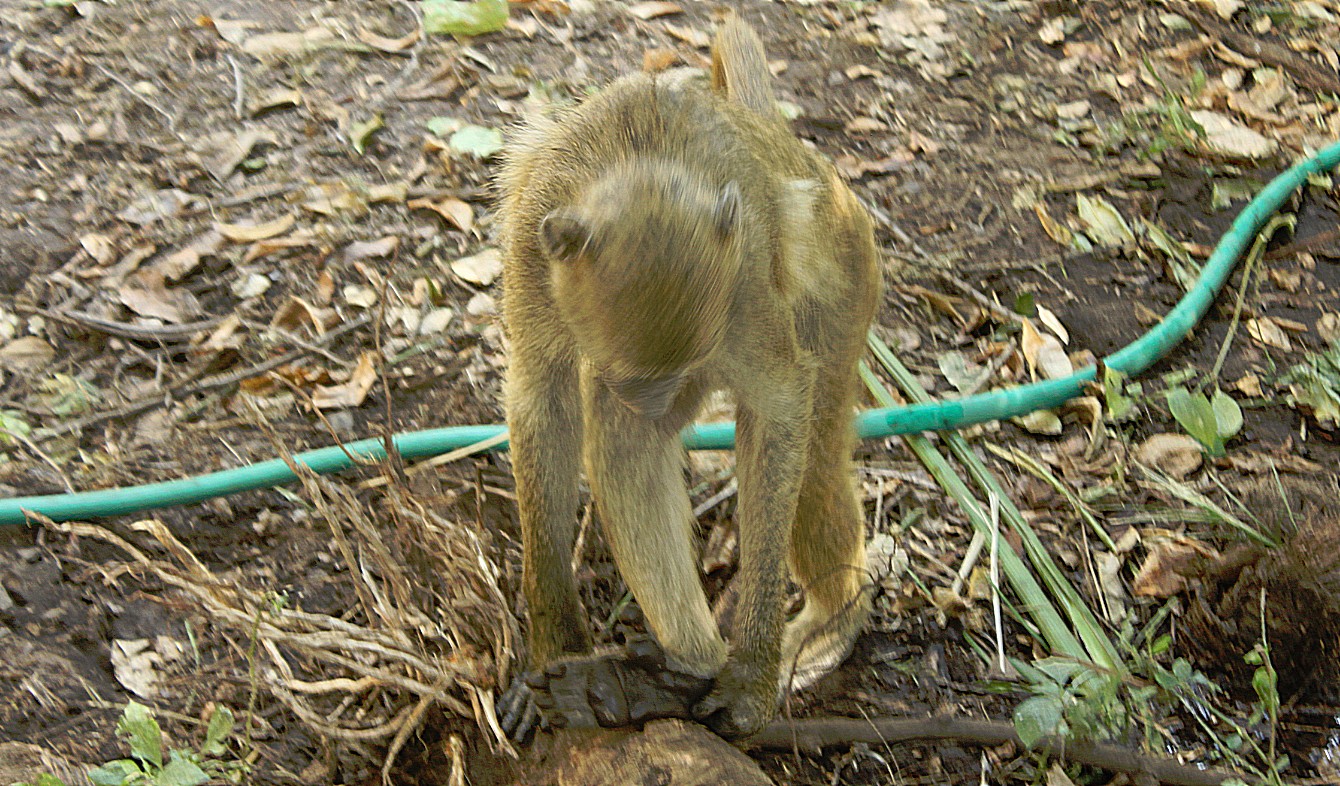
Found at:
<point>625,687</point>
<point>742,700</point>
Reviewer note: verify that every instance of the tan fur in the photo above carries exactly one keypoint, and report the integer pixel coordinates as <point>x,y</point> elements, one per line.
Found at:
<point>662,242</point>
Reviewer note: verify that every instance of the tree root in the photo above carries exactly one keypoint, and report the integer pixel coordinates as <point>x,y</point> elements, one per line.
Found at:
<point>812,734</point>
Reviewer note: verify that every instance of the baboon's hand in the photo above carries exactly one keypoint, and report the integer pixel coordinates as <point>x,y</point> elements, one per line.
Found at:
<point>740,704</point>
<point>619,688</point>
<point>518,714</point>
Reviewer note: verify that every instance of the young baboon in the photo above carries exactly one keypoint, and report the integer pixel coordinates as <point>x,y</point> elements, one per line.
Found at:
<point>663,241</point>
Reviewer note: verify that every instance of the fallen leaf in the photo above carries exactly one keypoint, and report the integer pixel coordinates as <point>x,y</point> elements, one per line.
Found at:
<point>360,295</point>
<point>361,133</point>
<point>652,10</point>
<point>263,248</point>
<point>147,296</point>
<point>1044,353</point>
<point>1229,138</point>
<point>481,305</point>
<point>182,262</point>
<point>327,199</point>
<point>864,125</point>
<point>436,321</point>
<point>456,17</point>
<point>1054,229</point>
<point>1161,575</point>
<point>476,141</point>
<point>1042,421</point>
<point>1224,8</point>
<point>351,393</point>
<point>158,205</point>
<point>861,71</point>
<point>26,355</point>
<point>480,269</point>
<point>1073,110</point>
<point>1328,327</point>
<point>275,45</point>
<point>370,249</point>
<point>297,313</point>
<point>1103,222</point>
<point>1176,455</point>
<point>1249,384</point>
<point>225,151</point>
<point>1268,331</point>
<point>252,285</point>
<point>1053,323</point>
<point>391,45</point>
<point>248,233</point>
<point>690,35</point>
<point>454,211</point>
<point>279,98</point>
<point>100,247</point>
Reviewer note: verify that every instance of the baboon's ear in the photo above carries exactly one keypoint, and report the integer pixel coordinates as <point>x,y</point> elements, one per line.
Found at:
<point>728,208</point>
<point>564,235</point>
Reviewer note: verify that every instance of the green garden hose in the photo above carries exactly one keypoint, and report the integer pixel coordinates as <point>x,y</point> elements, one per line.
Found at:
<point>871,424</point>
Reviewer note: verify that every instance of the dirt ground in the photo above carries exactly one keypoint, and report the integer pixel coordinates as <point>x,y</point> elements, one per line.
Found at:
<point>236,229</point>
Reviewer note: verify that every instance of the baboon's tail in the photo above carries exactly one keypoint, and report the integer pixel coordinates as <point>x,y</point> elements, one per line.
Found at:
<point>739,67</point>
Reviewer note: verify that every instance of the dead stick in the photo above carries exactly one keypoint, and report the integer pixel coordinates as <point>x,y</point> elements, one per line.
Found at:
<point>813,734</point>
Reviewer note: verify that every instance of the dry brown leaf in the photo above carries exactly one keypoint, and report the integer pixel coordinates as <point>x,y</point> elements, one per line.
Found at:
<point>480,269</point>
<point>653,9</point>
<point>1053,323</point>
<point>297,313</point>
<point>98,246</point>
<point>370,249</point>
<point>1160,576</point>
<point>26,355</point>
<point>274,45</point>
<point>354,391</point>
<point>264,248</point>
<point>1044,353</point>
<point>223,152</point>
<point>325,288</point>
<point>1176,455</point>
<point>147,296</point>
<point>384,44</point>
<point>1328,327</point>
<point>279,98</point>
<point>388,192</point>
<point>1229,138</point>
<point>227,336</point>
<point>861,71</point>
<point>1268,331</point>
<point>250,233</point>
<point>1054,229</point>
<point>690,35</point>
<point>456,212</point>
<point>864,125</point>
<point>1249,384</point>
<point>182,262</point>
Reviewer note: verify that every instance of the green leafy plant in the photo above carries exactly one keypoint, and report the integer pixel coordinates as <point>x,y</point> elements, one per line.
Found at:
<point>148,766</point>
<point>1072,700</point>
<point>1211,421</point>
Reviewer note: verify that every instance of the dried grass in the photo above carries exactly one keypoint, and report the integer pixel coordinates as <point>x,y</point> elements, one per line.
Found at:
<point>431,626</point>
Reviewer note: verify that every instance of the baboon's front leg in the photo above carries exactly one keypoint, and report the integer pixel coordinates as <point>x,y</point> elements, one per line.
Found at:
<point>544,420</point>
<point>635,467</point>
<point>771,446</point>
